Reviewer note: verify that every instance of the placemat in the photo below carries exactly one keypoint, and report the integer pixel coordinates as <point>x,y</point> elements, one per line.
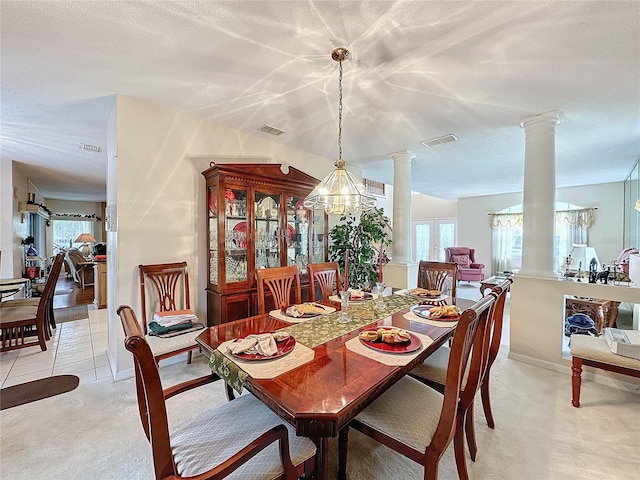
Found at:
<point>417,318</point>
<point>391,359</point>
<point>280,316</point>
<point>235,370</point>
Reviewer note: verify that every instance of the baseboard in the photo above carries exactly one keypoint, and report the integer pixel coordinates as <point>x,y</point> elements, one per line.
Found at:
<point>588,373</point>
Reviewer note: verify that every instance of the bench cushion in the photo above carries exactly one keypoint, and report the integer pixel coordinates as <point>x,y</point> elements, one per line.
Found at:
<point>597,349</point>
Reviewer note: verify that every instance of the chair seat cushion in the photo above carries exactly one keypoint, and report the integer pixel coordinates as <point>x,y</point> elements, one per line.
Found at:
<point>409,412</point>
<point>20,302</point>
<point>16,314</point>
<point>219,433</point>
<point>597,349</point>
<point>434,367</point>
<point>160,346</point>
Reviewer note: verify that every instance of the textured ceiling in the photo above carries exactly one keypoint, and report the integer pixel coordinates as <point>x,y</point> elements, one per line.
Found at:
<point>418,70</point>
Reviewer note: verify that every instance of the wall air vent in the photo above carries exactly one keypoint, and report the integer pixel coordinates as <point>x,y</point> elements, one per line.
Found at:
<point>89,148</point>
<point>440,140</point>
<point>271,130</point>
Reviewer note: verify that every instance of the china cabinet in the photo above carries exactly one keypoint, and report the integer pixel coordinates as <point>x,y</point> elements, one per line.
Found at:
<point>256,219</point>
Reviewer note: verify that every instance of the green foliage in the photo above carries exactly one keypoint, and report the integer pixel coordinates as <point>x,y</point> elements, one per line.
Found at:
<point>362,239</point>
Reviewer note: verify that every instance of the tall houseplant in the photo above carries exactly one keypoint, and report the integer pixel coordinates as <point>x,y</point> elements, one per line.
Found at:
<point>362,238</point>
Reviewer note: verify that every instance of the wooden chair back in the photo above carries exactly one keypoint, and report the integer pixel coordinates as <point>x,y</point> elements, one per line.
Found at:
<point>151,402</point>
<point>468,350</point>
<point>14,329</point>
<point>170,282</point>
<point>434,275</point>
<point>280,281</point>
<point>324,277</point>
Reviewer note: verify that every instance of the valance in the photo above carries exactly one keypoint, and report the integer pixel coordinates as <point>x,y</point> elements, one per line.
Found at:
<point>578,218</point>
<point>503,220</point>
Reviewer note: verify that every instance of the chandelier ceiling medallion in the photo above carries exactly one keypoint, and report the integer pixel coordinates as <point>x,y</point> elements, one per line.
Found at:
<point>340,192</point>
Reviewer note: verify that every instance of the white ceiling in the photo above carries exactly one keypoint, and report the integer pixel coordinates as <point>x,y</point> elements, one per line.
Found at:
<point>418,70</point>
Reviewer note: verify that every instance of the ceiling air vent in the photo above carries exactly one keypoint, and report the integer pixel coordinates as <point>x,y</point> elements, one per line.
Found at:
<point>89,148</point>
<point>440,140</point>
<point>271,130</point>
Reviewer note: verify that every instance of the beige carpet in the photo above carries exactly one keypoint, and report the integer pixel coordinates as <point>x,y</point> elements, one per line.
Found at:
<point>95,432</point>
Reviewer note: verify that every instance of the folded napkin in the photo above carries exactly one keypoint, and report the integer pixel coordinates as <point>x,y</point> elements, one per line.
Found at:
<point>157,329</point>
<point>174,317</point>
<point>263,344</point>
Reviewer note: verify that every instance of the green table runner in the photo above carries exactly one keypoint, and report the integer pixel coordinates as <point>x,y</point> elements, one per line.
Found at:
<point>316,331</point>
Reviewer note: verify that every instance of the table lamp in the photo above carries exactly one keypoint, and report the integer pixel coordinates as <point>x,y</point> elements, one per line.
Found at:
<point>582,256</point>
<point>85,239</point>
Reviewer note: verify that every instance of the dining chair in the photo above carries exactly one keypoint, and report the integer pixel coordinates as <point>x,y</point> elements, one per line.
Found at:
<point>324,277</point>
<point>279,281</point>
<point>230,441</point>
<point>168,286</point>
<point>21,318</point>
<point>441,276</point>
<point>433,371</point>
<point>405,418</point>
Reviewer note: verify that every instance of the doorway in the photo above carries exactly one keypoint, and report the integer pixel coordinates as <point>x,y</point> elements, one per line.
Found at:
<point>431,237</point>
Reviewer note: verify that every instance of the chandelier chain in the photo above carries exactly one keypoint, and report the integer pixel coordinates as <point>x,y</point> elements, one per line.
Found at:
<point>340,112</point>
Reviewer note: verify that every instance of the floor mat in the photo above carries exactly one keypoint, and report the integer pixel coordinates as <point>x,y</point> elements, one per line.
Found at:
<point>69,314</point>
<point>37,390</point>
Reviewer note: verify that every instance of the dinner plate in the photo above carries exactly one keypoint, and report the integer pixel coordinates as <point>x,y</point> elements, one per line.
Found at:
<point>304,315</point>
<point>404,347</point>
<point>284,347</point>
<point>423,311</point>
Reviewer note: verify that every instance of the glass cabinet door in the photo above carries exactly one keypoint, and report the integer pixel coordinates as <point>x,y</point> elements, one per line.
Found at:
<point>318,238</point>
<point>236,241</point>
<point>212,197</point>
<point>267,231</point>
<point>297,234</point>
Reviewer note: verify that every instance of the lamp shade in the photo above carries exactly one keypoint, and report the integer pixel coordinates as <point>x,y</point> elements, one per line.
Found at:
<point>582,256</point>
<point>85,238</point>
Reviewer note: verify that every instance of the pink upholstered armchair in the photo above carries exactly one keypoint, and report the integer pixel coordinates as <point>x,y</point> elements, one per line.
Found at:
<point>465,257</point>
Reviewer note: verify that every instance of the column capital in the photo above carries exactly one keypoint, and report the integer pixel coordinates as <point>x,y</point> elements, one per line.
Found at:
<point>403,156</point>
<point>549,119</point>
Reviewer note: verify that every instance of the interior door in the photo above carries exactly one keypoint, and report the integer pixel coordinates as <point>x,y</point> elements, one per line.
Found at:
<point>431,237</point>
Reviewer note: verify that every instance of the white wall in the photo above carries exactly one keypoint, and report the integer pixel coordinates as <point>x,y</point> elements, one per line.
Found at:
<point>606,235</point>
<point>161,199</point>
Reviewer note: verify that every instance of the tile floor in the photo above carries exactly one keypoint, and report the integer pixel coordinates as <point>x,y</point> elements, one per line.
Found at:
<point>77,348</point>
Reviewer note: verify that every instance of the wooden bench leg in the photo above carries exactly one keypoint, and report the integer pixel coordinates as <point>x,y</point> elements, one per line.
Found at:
<point>576,381</point>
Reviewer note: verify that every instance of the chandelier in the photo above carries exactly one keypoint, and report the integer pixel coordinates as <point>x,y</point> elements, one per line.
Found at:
<point>340,192</point>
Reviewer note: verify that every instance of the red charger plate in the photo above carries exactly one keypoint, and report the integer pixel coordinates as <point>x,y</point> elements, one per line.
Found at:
<point>284,347</point>
<point>423,311</point>
<point>405,347</point>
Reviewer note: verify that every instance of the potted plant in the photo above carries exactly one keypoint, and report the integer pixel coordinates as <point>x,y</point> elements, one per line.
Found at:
<point>361,241</point>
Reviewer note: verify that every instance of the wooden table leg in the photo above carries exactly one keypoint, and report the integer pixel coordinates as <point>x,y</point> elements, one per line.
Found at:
<point>322,460</point>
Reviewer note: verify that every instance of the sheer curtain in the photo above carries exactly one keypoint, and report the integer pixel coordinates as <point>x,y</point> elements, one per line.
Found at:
<point>506,241</point>
<point>572,227</point>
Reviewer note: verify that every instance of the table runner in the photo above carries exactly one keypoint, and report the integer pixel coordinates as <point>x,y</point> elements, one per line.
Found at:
<point>392,359</point>
<point>312,333</point>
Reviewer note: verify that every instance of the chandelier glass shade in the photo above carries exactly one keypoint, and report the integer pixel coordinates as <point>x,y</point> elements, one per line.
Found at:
<point>340,192</point>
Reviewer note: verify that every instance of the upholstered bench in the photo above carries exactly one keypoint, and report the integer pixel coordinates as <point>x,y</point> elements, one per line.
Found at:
<point>595,352</point>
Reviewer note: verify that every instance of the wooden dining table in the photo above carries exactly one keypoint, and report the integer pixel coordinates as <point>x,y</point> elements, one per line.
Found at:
<point>321,396</point>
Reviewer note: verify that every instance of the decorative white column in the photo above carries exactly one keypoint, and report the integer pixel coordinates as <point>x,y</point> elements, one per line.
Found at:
<point>539,195</point>
<point>402,271</point>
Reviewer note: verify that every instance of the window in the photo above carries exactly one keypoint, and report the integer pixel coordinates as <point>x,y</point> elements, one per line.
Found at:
<point>65,232</point>
<point>572,226</point>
